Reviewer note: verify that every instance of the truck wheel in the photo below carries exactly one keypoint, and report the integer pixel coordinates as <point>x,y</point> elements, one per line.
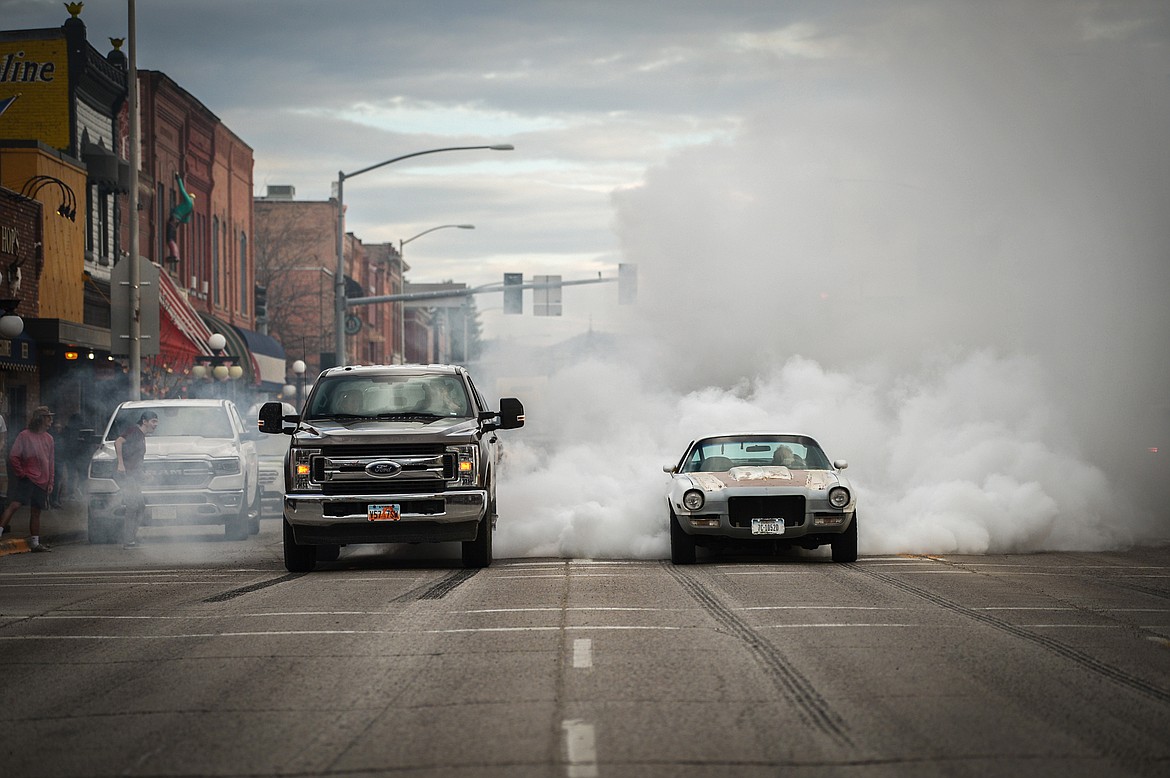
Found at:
<point>682,545</point>
<point>478,552</point>
<point>845,544</point>
<point>100,531</point>
<point>254,515</point>
<point>236,527</point>
<point>297,558</point>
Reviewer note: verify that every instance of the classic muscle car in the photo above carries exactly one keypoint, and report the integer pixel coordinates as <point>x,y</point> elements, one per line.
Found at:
<point>773,490</point>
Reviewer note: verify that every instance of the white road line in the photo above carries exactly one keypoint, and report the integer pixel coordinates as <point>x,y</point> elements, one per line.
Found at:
<point>323,632</point>
<point>583,653</point>
<point>580,749</point>
<point>820,608</point>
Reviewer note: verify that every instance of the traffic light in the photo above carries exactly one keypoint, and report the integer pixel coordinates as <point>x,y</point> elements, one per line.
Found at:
<point>260,301</point>
<point>513,293</point>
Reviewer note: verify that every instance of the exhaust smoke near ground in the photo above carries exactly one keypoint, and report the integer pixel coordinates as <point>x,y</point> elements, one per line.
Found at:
<point>939,246</point>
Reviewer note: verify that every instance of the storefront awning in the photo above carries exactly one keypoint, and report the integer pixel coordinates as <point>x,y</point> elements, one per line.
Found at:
<point>182,333</point>
<point>269,357</point>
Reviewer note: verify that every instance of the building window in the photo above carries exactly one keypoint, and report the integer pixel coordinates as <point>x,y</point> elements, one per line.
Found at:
<point>244,302</point>
<point>215,260</point>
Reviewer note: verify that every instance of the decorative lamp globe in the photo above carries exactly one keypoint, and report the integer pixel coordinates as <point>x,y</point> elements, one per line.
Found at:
<point>235,372</point>
<point>217,341</point>
<point>199,371</point>
<point>221,372</point>
<point>11,326</point>
<point>299,367</point>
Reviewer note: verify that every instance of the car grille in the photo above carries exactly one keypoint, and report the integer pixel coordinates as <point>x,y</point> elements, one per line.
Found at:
<point>269,476</point>
<point>172,473</point>
<point>741,510</point>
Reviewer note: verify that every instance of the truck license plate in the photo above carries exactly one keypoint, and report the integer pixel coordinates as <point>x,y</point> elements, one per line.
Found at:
<point>767,526</point>
<point>384,512</point>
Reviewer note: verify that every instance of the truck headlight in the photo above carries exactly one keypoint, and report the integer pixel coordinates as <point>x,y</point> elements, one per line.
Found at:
<point>226,466</point>
<point>102,468</point>
<point>300,460</point>
<point>466,465</point>
<point>693,500</point>
<point>838,497</point>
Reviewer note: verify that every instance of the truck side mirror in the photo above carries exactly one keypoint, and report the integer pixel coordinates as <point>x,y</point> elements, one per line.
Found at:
<point>511,413</point>
<point>272,419</point>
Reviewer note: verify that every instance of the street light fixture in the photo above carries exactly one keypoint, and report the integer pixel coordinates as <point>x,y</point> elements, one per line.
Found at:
<point>298,368</point>
<point>402,304</point>
<point>339,301</point>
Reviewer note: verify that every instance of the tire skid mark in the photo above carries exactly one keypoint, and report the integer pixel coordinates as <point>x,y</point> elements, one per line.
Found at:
<point>1103,669</point>
<point>447,584</point>
<point>231,594</point>
<point>812,708</point>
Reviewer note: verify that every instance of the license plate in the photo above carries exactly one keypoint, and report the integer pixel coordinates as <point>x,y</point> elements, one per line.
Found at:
<point>163,512</point>
<point>767,527</point>
<point>384,512</point>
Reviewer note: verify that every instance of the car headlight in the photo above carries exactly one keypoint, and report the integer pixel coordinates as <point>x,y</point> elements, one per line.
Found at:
<point>466,462</point>
<point>229,466</point>
<point>693,500</point>
<point>838,497</point>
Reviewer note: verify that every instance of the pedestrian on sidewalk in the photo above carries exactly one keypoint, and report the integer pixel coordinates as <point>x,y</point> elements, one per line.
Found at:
<point>31,460</point>
<point>131,449</point>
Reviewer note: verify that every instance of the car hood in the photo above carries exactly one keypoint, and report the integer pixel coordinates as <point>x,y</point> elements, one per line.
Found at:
<point>765,477</point>
<point>339,433</point>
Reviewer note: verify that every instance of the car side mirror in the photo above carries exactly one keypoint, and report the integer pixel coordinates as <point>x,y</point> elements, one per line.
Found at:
<point>511,413</point>
<point>668,469</point>
<point>273,419</point>
<point>840,464</point>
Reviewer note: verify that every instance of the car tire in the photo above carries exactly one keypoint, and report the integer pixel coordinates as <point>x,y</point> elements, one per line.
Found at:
<point>845,545</point>
<point>254,515</point>
<point>297,558</point>
<point>236,527</point>
<point>682,545</point>
<point>478,552</point>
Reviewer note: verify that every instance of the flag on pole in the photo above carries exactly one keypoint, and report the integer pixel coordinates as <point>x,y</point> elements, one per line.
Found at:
<point>7,101</point>
<point>182,210</point>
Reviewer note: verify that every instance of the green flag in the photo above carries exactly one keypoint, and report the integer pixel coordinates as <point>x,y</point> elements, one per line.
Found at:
<point>183,209</point>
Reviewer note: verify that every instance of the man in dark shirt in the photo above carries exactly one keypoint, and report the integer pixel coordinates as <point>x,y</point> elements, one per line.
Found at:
<point>131,449</point>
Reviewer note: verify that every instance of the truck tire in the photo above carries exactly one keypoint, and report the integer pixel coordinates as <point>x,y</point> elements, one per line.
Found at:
<point>236,527</point>
<point>478,552</point>
<point>682,545</point>
<point>101,531</point>
<point>845,545</point>
<point>297,558</point>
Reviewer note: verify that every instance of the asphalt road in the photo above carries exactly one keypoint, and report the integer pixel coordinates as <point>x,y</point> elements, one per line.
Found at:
<point>198,656</point>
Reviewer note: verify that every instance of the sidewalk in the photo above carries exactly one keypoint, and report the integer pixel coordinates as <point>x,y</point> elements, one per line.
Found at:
<point>67,524</point>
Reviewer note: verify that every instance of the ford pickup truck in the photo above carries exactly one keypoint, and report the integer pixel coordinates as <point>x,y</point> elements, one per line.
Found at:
<point>390,454</point>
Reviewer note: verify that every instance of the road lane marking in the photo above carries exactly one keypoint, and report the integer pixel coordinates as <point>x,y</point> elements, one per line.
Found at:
<point>580,749</point>
<point>583,653</point>
<point>323,632</point>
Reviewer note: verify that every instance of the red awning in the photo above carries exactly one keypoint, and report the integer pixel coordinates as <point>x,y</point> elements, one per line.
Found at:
<point>182,334</point>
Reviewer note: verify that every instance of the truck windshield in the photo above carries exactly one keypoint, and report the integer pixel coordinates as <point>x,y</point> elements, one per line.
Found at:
<point>383,396</point>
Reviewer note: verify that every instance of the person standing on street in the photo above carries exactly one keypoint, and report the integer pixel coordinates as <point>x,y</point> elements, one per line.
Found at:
<point>32,462</point>
<point>131,449</point>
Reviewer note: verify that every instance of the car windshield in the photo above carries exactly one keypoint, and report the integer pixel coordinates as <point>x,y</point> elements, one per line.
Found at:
<point>431,396</point>
<point>176,421</point>
<point>716,455</point>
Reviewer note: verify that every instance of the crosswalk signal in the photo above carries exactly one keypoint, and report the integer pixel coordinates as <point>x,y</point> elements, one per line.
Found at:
<point>513,293</point>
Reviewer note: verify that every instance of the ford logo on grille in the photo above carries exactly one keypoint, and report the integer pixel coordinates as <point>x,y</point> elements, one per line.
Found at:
<point>383,468</point>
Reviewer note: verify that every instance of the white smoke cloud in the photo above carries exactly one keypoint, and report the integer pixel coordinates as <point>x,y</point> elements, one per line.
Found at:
<point>944,258</point>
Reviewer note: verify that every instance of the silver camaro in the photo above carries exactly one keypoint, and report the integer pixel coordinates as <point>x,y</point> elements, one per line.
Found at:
<point>760,488</point>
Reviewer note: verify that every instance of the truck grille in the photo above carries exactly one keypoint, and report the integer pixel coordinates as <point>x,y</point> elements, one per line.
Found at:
<point>172,473</point>
<point>741,510</point>
<point>346,470</point>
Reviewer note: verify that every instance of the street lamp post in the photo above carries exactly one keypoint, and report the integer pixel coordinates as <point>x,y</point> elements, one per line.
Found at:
<point>298,368</point>
<point>402,304</point>
<point>339,301</point>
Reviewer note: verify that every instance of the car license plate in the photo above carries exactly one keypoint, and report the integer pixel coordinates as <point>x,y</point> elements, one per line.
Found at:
<point>767,526</point>
<point>384,512</point>
<point>163,512</point>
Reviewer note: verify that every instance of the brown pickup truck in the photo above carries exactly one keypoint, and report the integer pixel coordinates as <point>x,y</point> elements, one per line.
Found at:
<point>390,454</point>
